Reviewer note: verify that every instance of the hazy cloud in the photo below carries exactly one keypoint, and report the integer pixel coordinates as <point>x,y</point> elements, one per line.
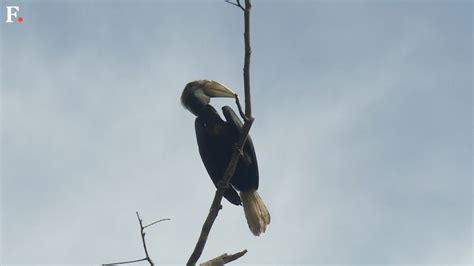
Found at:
<point>363,131</point>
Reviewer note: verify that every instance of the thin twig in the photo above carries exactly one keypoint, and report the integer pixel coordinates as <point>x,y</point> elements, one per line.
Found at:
<point>142,234</point>
<point>161,220</point>
<point>229,172</point>
<point>245,118</point>
<point>236,4</point>
<point>224,258</point>
<point>123,262</point>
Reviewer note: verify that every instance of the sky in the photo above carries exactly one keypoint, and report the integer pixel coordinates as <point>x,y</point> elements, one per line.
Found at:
<point>363,131</point>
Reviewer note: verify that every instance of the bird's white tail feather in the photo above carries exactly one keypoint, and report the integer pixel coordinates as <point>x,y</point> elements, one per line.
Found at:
<point>255,210</point>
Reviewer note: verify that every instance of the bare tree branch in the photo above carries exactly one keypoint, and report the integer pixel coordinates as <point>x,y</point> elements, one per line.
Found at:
<point>229,172</point>
<point>245,118</point>
<point>142,234</point>
<point>161,220</point>
<point>248,53</point>
<point>123,262</point>
<point>236,4</point>
<point>223,259</point>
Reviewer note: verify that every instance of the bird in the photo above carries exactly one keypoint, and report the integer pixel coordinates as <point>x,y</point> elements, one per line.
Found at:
<point>216,139</point>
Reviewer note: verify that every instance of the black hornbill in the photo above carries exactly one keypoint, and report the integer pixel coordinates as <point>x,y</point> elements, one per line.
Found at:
<point>216,139</point>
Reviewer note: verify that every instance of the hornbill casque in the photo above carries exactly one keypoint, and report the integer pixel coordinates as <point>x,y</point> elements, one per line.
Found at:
<point>216,139</point>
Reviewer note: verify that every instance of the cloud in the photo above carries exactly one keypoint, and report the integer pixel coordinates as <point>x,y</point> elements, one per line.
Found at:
<point>362,133</point>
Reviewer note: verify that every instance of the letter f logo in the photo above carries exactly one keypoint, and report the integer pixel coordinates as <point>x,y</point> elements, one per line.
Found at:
<point>12,12</point>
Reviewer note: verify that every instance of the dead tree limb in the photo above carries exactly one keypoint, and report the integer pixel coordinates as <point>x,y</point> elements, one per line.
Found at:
<point>223,259</point>
<point>248,53</point>
<point>142,234</point>
<point>237,4</point>
<point>229,172</point>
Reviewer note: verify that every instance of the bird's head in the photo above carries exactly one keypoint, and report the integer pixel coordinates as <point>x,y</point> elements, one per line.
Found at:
<point>197,94</point>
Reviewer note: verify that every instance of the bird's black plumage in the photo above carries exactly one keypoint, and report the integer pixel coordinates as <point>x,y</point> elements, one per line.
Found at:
<point>216,139</point>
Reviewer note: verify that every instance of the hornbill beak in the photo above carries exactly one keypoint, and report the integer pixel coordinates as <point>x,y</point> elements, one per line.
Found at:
<point>212,88</point>
<point>215,89</point>
<point>197,94</point>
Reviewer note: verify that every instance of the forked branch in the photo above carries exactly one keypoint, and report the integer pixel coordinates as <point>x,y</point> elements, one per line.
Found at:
<point>142,234</point>
<point>237,4</point>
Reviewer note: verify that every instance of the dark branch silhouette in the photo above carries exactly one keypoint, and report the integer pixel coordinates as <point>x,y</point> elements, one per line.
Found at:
<point>237,4</point>
<point>224,258</point>
<point>248,53</point>
<point>248,119</point>
<point>142,234</point>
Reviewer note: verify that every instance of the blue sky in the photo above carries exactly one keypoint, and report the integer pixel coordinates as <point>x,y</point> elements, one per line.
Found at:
<point>363,130</point>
